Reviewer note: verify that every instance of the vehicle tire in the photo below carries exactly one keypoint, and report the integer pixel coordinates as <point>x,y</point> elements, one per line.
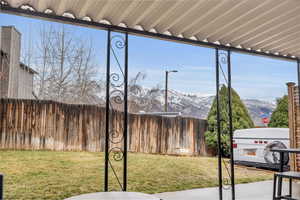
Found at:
<point>274,157</point>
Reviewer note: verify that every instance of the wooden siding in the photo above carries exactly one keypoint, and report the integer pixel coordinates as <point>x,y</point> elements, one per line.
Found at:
<point>25,84</point>
<point>39,125</point>
<point>18,80</point>
<point>294,124</point>
<point>11,43</point>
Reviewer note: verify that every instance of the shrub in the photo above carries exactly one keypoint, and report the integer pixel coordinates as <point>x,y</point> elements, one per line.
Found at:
<point>240,120</point>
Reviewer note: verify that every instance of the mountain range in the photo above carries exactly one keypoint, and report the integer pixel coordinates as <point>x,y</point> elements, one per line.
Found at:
<point>195,105</point>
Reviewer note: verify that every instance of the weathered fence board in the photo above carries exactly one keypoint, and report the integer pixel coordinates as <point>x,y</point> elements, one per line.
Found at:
<point>36,125</point>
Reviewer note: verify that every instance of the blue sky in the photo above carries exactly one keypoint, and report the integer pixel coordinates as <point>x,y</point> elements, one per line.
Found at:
<point>253,77</point>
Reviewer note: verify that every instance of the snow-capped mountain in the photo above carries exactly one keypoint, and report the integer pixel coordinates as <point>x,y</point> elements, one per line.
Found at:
<point>194,105</point>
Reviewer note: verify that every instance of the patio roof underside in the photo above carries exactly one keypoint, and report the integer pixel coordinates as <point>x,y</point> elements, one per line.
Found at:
<point>258,26</point>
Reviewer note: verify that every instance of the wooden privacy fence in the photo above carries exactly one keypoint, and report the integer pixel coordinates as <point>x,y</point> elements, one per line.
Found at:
<point>294,123</point>
<point>40,125</point>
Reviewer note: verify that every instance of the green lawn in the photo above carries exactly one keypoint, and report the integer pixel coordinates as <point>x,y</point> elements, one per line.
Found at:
<point>57,175</point>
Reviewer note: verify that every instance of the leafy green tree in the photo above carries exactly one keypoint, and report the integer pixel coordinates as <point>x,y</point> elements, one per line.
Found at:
<point>280,116</point>
<point>240,119</point>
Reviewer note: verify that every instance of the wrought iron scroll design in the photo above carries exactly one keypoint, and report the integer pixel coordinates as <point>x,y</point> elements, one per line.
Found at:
<point>116,129</point>
<point>224,63</point>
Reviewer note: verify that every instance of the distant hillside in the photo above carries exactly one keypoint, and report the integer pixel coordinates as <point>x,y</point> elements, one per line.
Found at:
<point>194,105</point>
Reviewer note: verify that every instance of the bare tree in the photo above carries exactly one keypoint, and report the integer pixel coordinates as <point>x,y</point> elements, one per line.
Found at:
<point>66,67</point>
<point>67,72</point>
<point>42,61</point>
<point>62,52</point>
<point>85,85</point>
<point>143,99</point>
<point>135,88</point>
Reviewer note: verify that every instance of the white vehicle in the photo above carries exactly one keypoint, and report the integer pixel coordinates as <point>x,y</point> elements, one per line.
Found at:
<point>252,146</point>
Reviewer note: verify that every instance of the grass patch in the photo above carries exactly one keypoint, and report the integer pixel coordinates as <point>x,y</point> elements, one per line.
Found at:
<point>58,175</point>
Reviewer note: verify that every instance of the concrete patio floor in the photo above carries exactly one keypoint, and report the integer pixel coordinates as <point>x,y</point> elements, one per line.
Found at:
<point>251,191</point>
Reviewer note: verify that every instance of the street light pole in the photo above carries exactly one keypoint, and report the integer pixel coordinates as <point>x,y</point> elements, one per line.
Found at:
<point>166,92</point>
<point>166,89</point>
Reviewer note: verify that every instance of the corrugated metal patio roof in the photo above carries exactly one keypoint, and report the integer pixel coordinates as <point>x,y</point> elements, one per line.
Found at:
<point>268,26</point>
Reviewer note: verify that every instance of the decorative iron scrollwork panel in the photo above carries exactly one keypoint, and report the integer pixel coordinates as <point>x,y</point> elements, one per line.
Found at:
<point>225,81</point>
<point>117,113</point>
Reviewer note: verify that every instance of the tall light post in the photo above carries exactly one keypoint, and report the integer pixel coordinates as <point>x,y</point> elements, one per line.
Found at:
<point>166,89</point>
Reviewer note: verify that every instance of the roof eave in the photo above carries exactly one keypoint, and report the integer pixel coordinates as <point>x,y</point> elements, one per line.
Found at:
<point>51,17</point>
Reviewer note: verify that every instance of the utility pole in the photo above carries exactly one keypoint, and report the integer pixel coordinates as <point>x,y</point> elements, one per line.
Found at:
<point>166,88</point>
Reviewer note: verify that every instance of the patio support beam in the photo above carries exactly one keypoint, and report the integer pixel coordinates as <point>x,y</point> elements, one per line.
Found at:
<point>116,129</point>
<point>1,187</point>
<point>107,111</point>
<point>219,127</point>
<point>230,124</point>
<point>125,130</point>
<point>223,58</point>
